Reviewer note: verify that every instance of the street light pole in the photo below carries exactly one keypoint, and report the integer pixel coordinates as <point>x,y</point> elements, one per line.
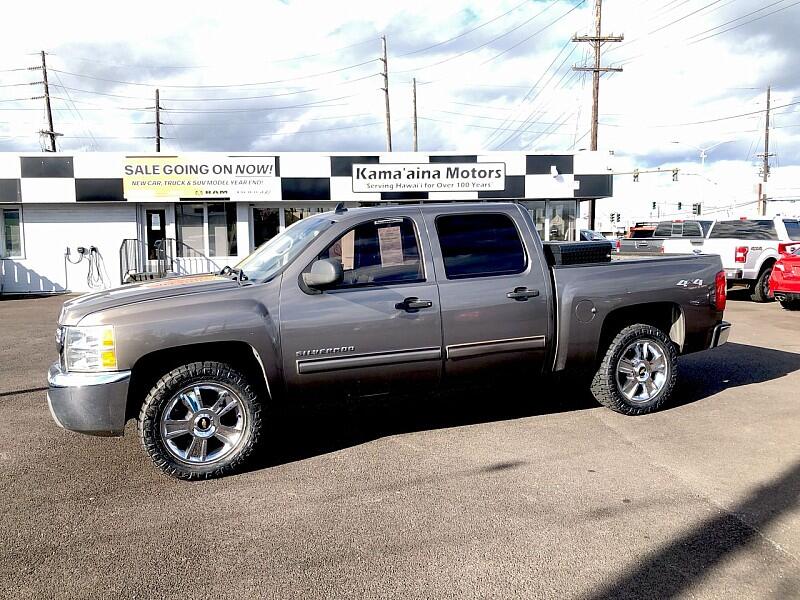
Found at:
<point>703,154</point>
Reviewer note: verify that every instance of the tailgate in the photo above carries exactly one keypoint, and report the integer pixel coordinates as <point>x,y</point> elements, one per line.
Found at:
<point>642,246</point>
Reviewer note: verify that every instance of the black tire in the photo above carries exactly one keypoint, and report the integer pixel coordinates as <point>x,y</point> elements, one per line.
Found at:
<point>759,290</point>
<point>606,386</point>
<point>791,304</point>
<point>184,384</point>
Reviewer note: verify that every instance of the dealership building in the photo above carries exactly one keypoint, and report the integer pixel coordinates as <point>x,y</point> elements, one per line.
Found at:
<point>84,221</point>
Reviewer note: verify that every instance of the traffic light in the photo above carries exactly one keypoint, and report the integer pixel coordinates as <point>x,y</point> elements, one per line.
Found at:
<point>611,217</point>
<point>696,209</point>
<point>674,174</point>
<point>636,175</point>
<point>680,205</point>
<point>654,205</point>
<point>617,217</point>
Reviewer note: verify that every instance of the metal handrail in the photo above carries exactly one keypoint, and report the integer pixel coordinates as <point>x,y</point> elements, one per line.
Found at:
<point>171,256</point>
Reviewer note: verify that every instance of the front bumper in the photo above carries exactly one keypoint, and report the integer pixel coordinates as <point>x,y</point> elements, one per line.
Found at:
<point>92,403</point>
<point>720,334</point>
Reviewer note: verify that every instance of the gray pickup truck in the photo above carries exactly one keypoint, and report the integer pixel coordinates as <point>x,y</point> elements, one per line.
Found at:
<point>374,301</point>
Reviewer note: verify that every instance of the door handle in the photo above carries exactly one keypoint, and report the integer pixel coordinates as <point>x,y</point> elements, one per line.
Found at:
<point>522,293</point>
<point>413,304</point>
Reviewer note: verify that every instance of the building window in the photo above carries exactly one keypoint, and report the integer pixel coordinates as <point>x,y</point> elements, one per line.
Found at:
<point>189,226</point>
<point>222,229</point>
<point>479,245</point>
<point>208,229</point>
<point>293,214</point>
<point>561,217</point>
<point>10,233</point>
<point>266,224</point>
<point>536,209</point>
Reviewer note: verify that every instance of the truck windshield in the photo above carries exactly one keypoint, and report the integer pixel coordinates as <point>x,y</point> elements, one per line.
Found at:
<point>269,258</point>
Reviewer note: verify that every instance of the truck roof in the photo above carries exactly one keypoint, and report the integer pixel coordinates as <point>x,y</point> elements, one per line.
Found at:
<point>361,210</point>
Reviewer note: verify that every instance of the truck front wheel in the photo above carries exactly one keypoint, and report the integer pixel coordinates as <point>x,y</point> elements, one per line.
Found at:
<point>201,420</point>
<point>638,372</point>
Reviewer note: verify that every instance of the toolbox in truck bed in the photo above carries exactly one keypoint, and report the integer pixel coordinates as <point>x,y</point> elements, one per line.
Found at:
<point>577,253</point>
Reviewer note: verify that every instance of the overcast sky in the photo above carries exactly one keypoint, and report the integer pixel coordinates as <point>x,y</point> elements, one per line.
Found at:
<point>491,75</point>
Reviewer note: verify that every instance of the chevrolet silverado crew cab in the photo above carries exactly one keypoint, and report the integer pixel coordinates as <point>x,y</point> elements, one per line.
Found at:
<point>374,301</point>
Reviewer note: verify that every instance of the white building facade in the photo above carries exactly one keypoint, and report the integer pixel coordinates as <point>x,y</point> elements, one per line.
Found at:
<point>88,221</point>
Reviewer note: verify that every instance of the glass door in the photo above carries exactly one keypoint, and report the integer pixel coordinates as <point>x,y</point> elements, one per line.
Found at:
<point>155,228</point>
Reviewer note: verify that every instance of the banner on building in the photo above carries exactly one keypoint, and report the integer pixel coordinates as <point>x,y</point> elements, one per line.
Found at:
<point>429,177</point>
<point>201,176</point>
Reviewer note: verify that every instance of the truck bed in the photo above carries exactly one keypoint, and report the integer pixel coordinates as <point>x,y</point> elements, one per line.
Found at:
<point>586,293</point>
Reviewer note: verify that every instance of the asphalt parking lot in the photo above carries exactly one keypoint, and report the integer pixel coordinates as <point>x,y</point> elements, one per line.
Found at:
<point>535,492</point>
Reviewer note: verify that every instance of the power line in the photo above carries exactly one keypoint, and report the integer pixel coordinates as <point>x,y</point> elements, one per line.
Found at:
<point>534,87</point>
<point>217,86</point>
<point>522,41</point>
<point>77,113</point>
<point>747,114</point>
<point>745,23</point>
<point>322,130</point>
<point>213,66</point>
<point>529,118</point>
<point>220,99</point>
<point>450,112</point>
<point>494,39</point>
<point>474,125</point>
<point>462,34</point>
<point>644,37</point>
<point>690,39</point>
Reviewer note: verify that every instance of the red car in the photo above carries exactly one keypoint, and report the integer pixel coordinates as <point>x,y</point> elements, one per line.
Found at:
<point>784,283</point>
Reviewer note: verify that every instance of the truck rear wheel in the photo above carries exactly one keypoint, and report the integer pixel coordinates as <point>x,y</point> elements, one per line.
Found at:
<point>200,421</point>
<point>759,290</point>
<point>638,372</point>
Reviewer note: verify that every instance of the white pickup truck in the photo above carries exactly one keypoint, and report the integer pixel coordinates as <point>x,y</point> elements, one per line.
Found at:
<point>749,249</point>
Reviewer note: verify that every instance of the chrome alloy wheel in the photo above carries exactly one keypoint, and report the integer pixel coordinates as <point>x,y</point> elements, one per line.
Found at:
<point>642,371</point>
<point>203,423</point>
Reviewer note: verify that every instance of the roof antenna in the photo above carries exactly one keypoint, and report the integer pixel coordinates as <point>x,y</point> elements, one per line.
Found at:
<point>340,208</point>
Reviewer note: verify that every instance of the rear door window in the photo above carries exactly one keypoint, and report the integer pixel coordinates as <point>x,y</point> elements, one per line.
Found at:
<point>692,229</point>
<point>744,229</point>
<point>663,230</point>
<point>792,229</point>
<point>480,245</point>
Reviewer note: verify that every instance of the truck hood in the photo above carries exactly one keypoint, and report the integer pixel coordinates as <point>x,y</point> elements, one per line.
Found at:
<point>74,310</point>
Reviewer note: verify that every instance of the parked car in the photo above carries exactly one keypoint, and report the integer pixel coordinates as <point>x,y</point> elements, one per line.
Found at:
<point>373,301</point>
<point>749,249</point>
<point>784,282</point>
<point>669,237</point>
<point>589,235</point>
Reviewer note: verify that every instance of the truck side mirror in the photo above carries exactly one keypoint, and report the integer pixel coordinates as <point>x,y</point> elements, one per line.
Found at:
<point>324,273</point>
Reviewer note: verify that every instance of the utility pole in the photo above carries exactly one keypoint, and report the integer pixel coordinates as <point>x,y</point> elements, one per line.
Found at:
<point>597,41</point>
<point>51,132</point>
<point>385,89</point>
<point>158,124</point>
<point>414,99</point>
<point>762,188</point>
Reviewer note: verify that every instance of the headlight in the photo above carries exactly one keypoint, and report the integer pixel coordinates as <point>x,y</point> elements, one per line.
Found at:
<point>90,348</point>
